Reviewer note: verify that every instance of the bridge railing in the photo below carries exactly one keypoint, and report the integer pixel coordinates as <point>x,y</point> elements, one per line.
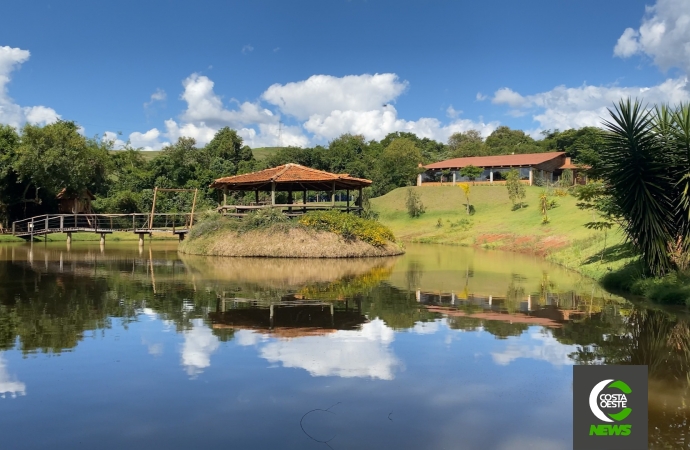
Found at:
<point>51,223</point>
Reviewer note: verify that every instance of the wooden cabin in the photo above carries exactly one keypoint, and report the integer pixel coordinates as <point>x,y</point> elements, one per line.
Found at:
<point>75,203</point>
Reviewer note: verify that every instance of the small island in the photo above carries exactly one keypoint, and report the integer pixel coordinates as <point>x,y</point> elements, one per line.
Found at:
<point>318,229</point>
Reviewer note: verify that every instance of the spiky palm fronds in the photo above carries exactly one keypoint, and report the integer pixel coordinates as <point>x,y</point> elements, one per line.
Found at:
<point>637,172</point>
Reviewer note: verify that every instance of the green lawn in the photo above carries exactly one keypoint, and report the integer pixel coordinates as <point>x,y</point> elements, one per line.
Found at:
<point>564,239</point>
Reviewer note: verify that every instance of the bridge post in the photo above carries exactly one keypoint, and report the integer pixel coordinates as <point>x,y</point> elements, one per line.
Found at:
<point>14,228</point>
<point>46,225</point>
<point>141,239</point>
<point>69,238</point>
<point>62,222</point>
<point>102,238</point>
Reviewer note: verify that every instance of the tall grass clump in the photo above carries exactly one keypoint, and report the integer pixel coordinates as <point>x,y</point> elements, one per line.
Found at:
<point>349,226</point>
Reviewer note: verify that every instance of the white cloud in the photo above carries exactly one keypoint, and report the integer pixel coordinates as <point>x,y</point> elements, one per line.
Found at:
<point>158,96</point>
<point>664,35</point>
<point>322,94</point>
<point>480,97</point>
<point>11,113</point>
<point>9,385</point>
<point>509,97</point>
<point>150,140</point>
<point>199,345</point>
<point>564,107</point>
<point>543,347</point>
<point>363,353</point>
<point>247,49</point>
<point>452,112</point>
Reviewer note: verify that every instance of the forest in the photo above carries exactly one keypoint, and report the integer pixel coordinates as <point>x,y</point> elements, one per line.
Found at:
<point>37,162</point>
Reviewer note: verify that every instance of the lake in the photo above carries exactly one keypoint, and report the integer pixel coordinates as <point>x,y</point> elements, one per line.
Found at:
<point>442,348</point>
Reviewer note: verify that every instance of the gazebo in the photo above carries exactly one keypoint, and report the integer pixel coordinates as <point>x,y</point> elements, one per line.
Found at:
<point>290,178</point>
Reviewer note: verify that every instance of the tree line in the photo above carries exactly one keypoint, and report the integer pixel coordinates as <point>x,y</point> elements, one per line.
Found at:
<point>37,162</point>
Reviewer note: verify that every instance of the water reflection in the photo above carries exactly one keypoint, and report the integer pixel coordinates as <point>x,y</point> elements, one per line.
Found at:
<point>9,386</point>
<point>468,319</point>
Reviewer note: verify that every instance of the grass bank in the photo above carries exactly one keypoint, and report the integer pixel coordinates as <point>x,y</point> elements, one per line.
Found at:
<point>600,255</point>
<point>268,233</point>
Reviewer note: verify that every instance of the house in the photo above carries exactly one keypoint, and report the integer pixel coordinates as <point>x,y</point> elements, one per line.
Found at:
<point>548,166</point>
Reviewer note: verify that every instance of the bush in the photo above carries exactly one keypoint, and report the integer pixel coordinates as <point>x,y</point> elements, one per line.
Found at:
<point>415,208</point>
<point>349,226</point>
<point>209,224</point>
<point>262,219</point>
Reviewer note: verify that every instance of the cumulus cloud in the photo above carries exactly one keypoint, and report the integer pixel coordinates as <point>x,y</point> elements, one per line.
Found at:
<point>564,107</point>
<point>664,35</point>
<point>481,97</point>
<point>199,345</point>
<point>9,386</point>
<point>11,113</point>
<point>362,353</point>
<point>247,49</point>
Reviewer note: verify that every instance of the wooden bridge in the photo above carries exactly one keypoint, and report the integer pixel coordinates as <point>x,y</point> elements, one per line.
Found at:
<point>139,223</point>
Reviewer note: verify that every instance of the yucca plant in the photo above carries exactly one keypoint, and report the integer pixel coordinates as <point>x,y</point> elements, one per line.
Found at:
<point>638,168</point>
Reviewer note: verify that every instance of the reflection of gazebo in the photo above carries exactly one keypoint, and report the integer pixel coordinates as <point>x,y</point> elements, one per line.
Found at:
<point>286,319</point>
<point>291,178</point>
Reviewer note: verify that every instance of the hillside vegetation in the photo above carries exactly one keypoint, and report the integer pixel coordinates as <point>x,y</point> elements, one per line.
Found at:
<point>495,225</point>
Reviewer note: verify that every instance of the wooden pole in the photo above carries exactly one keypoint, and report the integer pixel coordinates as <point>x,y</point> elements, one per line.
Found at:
<point>191,218</point>
<point>348,200</point>
<point>333,195</point>
<point>304,200</point>
<point>361,202</point>
<point>273,193</point>
<point>153,207</point>
<point>225,195</point>
<point>256,196</point>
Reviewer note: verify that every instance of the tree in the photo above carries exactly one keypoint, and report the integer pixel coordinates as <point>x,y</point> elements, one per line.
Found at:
<point>504,141</point>
<point>415,207</point>
<point>516,190</point>
<point>469,143</point>
<point>471,172</point>
<point>466,190</point>
<point>399,163</point>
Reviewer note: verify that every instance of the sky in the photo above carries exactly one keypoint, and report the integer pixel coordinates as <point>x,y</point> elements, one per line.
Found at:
<point>304,72</point>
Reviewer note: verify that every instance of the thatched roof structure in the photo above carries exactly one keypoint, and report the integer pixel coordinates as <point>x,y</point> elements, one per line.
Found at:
<point>290,177</point>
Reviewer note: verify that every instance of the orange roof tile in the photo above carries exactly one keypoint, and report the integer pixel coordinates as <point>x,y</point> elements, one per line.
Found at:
<point>289,174</point>
<point>526,159</point>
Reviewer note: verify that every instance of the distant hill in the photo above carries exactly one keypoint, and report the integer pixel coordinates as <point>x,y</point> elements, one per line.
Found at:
<point>264,152</point>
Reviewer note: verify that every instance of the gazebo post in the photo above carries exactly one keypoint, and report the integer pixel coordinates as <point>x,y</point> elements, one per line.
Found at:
<point>304,200</point>
<point>273,193</point>
<point>333,196</point>
<point>225,196</point>
<point>361,202</point>
<point>256,196</point>
<point>348,201</point>
<point>290,201</point>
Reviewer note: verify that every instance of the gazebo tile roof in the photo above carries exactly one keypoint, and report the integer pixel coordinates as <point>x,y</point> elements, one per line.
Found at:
<point>288,173</point>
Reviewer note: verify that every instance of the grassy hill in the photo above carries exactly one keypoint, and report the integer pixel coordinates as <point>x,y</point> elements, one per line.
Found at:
<point>264,152</point>
<point>494,224</point>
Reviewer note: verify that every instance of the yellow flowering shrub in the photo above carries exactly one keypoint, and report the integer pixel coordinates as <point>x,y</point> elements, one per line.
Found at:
<point>349,226</point>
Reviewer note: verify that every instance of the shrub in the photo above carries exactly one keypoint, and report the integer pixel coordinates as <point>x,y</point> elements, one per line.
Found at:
<point>262,219</point>
<point>349,226</point>
<point>209,224</point>
<point>415,207</point>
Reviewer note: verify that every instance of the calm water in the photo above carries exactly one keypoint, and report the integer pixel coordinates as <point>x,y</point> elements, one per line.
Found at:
<point>443,348</point>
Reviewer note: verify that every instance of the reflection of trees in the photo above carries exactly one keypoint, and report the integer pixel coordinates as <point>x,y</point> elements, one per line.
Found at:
<point>498,328</point>
<point>646,337</point>
<point>399,309</point>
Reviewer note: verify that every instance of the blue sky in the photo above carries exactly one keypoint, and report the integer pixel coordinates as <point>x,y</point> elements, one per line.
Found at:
<point>307,71</point>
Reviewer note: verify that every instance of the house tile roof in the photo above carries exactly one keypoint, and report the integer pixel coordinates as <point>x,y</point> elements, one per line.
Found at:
<point>521,160</point>
<point>291,174</point>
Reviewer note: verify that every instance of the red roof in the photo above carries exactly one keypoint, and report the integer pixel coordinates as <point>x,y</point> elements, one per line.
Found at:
<point>291,174</point>
<point>522,160</point>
